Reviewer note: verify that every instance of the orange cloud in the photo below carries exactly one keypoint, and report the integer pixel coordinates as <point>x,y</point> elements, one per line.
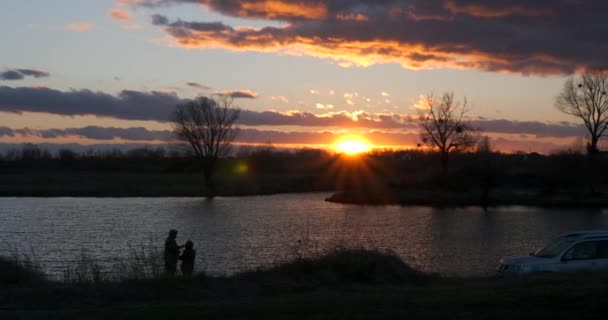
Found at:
<point>349,51</point>
<point>499,36</point>
<point>279,98</point>
<point>120,15</point>
<point>272,9</point>
<point>479,10</point>
<point>79,27</point>
<point>352,16</point>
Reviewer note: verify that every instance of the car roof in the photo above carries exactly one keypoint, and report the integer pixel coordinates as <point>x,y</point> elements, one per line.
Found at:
<point>586,233</point>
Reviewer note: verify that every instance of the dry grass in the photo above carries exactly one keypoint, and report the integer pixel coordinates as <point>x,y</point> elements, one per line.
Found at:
<point>144,262</point>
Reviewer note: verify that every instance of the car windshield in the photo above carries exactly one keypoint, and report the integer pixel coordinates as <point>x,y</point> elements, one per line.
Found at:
<point>556,247</point>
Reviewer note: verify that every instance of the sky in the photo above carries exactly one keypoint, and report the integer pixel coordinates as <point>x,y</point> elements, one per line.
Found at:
<point>303,72</point>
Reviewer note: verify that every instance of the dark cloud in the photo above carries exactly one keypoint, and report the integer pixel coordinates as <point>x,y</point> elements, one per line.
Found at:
<point>11,75</point>
<point>197,85</point>
<point>337,119</point>
<point>245,136</point>
<point>244,94</point>
<point>6,132</point>
<point>521,36</point>
<point>255,136</point>
<point>128,104</point>
<point>158,106</point>
<point>95,133</point>
<point>34,73</point>
<point>132,134</point>
<point>538,129</point>
<point>20,74</point>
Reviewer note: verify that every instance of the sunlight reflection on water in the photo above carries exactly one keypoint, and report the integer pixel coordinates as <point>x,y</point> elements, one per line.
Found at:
<point>231,234</point>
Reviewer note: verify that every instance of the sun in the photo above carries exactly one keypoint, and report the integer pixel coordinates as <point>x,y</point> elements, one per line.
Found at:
<point>352,145</point>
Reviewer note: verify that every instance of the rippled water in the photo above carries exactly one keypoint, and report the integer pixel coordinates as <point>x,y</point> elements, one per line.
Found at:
<point>231,234</point>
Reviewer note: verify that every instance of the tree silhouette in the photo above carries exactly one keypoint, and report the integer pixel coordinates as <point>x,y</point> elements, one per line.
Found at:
<point>443,126</point>
<point>207,125</point>
<point>586,99</point>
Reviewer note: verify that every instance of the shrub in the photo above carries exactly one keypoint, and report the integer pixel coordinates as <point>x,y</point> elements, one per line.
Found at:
<point>344,266</point>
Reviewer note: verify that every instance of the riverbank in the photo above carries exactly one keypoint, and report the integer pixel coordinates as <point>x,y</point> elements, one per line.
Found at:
<point>446,198</point>
<point>344,284</point>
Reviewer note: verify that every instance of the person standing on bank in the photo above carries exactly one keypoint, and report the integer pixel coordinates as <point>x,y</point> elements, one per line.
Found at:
<point>171,253</point>
<point>187,258</point>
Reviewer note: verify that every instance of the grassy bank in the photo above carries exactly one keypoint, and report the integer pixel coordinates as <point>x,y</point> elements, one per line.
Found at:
<point>342,284</point>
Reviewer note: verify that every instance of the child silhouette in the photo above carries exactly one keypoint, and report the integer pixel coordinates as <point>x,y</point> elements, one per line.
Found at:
<point>187,258</point>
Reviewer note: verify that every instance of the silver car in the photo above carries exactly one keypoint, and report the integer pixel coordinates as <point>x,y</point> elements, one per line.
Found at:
<point>570,252</point>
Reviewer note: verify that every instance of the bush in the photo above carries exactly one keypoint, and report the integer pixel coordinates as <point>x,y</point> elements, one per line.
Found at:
<point>343,266</point>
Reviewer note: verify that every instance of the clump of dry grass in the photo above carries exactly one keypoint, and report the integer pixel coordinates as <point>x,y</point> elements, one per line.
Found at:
<point>84,270</point>
<point>21,270</point>
<point>143,262</point>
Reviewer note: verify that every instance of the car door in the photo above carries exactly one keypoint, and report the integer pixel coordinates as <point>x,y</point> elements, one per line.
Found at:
<point>601,264</point>
<point>582,256</point>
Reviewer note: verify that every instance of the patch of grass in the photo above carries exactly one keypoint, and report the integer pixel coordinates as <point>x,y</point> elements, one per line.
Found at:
<point>342,266</point>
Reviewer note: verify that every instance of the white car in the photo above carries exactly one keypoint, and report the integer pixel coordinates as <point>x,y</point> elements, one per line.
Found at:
<point>570,252</point>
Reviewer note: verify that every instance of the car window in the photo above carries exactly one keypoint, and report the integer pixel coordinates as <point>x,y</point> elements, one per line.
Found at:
<point>602,249</point>
<point>583,251</point>
<point>556,247</point>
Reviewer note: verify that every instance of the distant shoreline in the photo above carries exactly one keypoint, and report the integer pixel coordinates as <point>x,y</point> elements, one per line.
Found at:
<point>123,184</point>
<point>443,198</point>
<point>190,185</point>
<point>146,185</point>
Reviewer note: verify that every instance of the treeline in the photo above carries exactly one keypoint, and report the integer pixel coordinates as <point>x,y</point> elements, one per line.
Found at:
<point>568,170</point>
<point>31,151</point>
<point>262,159</point>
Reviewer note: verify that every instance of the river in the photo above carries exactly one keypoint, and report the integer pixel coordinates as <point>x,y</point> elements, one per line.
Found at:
<point>234,234</point>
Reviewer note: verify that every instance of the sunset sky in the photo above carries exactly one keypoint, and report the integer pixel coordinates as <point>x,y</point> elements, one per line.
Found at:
<point>303,72</point>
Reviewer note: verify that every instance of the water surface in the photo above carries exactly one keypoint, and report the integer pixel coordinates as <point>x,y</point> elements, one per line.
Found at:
<point>232,234</point>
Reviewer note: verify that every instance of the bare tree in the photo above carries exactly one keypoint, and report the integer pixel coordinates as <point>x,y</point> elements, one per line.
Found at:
<point>207,125</point>
<point>444,127</point>
<point>586,99</point>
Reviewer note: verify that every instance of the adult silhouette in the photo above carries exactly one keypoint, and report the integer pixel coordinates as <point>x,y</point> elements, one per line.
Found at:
<point>171,253</point>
